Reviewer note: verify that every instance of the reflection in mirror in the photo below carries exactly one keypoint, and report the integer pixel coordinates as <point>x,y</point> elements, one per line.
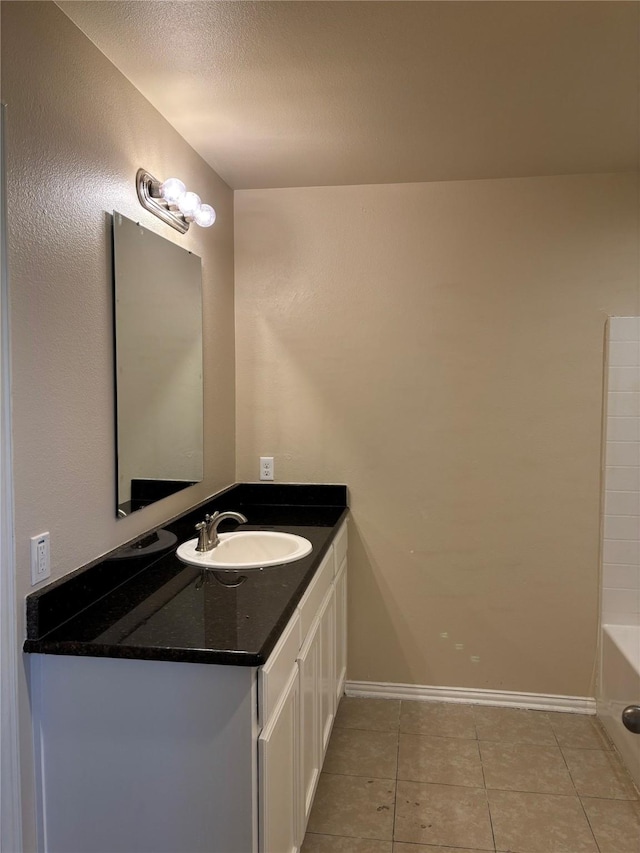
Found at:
<point>158,353</point>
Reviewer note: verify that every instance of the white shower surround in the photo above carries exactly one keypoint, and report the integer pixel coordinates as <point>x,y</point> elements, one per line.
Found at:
<point>619,683</point>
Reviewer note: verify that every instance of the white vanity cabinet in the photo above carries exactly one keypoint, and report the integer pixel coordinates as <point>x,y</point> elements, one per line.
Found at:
<point>140,756</point>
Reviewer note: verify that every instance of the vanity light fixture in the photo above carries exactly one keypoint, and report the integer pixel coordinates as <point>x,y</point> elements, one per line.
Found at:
<point>170,201</point>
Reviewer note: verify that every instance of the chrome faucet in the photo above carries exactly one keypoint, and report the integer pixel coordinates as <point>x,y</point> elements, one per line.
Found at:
<point>208,529</point>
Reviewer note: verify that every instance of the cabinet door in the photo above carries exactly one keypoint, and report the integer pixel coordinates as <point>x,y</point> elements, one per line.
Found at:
<point>327,668</point>
<point>341,630</point>
<point>279,785</point>
<point>310,751</point>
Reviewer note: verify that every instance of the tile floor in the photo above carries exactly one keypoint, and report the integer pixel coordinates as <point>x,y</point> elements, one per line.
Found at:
<point>421,777</point>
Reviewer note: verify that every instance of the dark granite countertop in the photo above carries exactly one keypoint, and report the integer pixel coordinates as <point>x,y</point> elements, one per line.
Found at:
<point>154,607</point>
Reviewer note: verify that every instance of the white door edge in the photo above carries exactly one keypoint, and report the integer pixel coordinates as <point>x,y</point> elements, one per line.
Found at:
<point>10,804</point>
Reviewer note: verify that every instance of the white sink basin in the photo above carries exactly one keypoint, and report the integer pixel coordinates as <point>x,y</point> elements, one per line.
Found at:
<point>247,549</point>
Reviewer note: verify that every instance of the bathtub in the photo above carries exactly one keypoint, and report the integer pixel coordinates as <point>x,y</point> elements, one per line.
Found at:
<point>619,687</point>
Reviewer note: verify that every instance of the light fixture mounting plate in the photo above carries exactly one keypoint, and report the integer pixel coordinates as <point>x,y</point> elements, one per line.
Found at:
<point>145,186</point>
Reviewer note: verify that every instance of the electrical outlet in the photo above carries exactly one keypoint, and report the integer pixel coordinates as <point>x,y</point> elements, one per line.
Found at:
<point>266,467</point>
<point>40,558</point>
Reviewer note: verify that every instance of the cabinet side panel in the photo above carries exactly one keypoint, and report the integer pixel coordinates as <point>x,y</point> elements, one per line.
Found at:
<point>144,755</point>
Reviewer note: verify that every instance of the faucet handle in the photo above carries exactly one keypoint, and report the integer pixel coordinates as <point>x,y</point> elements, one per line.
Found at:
<point>203,536</point>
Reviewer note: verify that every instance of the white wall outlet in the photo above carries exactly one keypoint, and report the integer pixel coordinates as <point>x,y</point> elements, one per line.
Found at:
<point>266,467</point>
<point>40,558</point>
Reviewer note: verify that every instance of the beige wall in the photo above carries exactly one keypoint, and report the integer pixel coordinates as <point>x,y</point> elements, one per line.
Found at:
<point>77,132</point>
<point>439,348</point>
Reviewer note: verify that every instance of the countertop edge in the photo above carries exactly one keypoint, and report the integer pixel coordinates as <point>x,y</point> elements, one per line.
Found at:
<point>170,655</point>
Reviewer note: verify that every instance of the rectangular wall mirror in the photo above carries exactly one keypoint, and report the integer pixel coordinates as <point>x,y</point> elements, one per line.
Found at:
<point>158,366</point>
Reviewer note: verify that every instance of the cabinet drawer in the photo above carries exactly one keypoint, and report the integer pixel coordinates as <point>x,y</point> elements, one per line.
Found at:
<point>314,596</point>
<point>340,546</point>
<point>274,675</point>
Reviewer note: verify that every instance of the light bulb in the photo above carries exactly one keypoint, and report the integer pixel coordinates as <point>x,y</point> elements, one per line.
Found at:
<point>172,190</point>
<point>206,216</point>
<point>189,204</point>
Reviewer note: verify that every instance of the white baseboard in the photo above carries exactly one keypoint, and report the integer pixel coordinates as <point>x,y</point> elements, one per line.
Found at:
<point>472,696</point>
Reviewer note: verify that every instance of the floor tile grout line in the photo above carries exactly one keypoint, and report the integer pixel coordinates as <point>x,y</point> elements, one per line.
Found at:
<point>414,781</point>
<point>564,761</point>
<point>555,737</point>
<point>472,787</point>
<point>537,793</point>
<point>501,741</point>
<point>357,837</point>
<point>606,800</point>
<point>440,737</point>
<point>584,811</point>
<point>446,846</point>
<point>395,796</point>
<point>484,782</point>
<point>364,729</point>
<point>361,776</point>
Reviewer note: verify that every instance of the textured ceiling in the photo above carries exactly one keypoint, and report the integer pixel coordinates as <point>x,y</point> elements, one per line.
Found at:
<point>277,94</point>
